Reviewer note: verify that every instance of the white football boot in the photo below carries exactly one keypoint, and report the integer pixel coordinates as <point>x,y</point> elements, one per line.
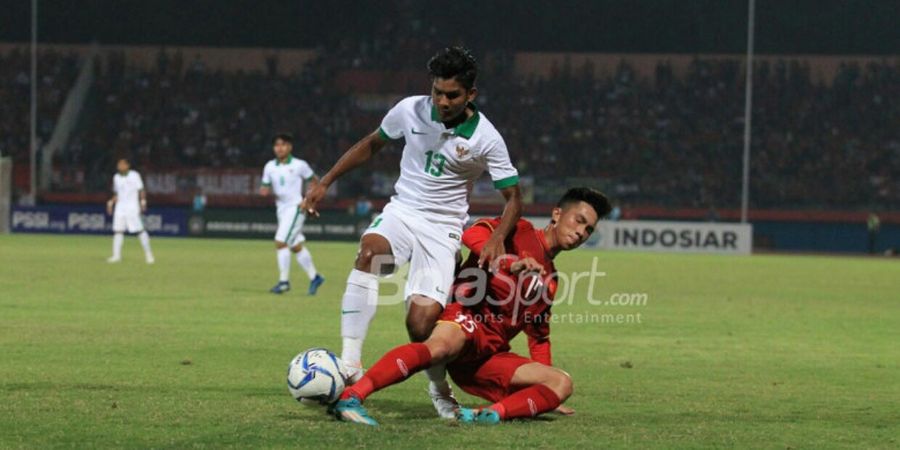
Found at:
<point>444,402</point>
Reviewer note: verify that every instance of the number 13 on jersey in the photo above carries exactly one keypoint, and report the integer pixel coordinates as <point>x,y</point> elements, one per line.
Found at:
<point>434,163</point>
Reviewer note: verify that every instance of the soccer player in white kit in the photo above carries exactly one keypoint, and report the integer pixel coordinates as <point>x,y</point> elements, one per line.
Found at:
<point>284,176</point>
<point>126,205</point>
<point>449,144</point>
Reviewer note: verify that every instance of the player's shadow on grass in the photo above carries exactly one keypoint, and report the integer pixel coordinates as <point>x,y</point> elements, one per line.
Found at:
<point>412,409</point>
<point>384,409</point>
<point>397,412</point>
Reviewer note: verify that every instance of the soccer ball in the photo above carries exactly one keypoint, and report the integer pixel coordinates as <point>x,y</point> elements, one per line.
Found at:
<point>316,375</point>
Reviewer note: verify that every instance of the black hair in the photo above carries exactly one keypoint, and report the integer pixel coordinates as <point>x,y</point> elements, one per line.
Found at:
<point>592,197</point>
<point>286,137</point>
<point>454,62</point>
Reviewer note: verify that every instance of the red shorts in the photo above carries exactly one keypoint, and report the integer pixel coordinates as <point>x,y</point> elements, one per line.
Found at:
<point>481,340</point>
<point>490,378</point>
<point>485,366</point>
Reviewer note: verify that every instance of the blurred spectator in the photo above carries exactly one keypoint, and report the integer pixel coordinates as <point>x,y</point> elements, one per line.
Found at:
<point>363,207</point>
<point>616,213</point>
<point>199,202</point>
<point>874,226</point>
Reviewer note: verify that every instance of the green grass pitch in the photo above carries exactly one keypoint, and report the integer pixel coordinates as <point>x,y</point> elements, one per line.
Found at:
<point>759,351</point>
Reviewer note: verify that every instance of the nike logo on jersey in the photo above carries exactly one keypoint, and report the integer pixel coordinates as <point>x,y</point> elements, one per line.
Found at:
<point>417,132</point>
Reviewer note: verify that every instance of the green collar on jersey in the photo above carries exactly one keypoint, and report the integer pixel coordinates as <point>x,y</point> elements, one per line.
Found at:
<point>465,129</point>
<point>289,159</point>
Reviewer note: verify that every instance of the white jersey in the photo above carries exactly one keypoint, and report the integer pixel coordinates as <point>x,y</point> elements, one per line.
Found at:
<point>286,180</point>
<point>439,165</point>
<point>127,188</point>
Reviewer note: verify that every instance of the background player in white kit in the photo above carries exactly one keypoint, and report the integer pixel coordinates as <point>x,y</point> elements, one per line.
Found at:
<point>449,144</point>
<point>284,176</point>
<point>126,205</point>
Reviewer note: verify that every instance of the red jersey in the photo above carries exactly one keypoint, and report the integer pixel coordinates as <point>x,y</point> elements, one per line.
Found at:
<point>504,304</point>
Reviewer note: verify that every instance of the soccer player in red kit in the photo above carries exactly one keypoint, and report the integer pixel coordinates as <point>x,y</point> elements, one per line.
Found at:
<point>473,334</point>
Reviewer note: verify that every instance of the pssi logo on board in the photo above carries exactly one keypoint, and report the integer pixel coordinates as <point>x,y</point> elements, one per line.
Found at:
<point>31,220</point>
<point>87,221</point>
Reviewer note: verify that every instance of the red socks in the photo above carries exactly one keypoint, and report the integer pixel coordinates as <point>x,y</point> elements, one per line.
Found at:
<point>394,367</point>
<point>528,402</point>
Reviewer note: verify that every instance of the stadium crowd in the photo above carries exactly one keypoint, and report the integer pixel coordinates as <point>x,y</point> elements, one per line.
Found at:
<point>664,140</point>
<point>678,141</point>
<point>57,72</point>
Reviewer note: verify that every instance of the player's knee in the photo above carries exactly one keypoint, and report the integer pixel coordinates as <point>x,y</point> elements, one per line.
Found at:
<point>561,383</point>
<point>439,349</point>
<point>297,248</point>
<point>280,245</point>
<point>364,260</point>
<point>375,256</point>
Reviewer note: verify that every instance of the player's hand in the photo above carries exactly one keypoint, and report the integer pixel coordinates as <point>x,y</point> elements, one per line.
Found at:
<point>314,195</point>
<point>492,250</point>
<point>527,265</point>
<point>564,410</point>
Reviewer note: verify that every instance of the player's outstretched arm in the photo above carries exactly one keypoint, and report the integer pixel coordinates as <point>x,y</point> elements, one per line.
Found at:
<point>356,156</point>
<point>512,212</point>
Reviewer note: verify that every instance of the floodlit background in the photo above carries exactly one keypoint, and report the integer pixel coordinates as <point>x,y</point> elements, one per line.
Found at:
<point>794,346</point>
<point>645,100</point>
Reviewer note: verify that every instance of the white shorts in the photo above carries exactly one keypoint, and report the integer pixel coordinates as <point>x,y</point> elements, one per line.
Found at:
<point>429,243</point>
<point>127,221</point>
<point>290,226</point>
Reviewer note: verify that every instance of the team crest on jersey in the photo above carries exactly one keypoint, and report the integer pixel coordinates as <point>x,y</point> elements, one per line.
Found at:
<point>461,152</point>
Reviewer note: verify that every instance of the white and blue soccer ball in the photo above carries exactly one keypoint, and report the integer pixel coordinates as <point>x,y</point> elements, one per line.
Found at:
<point>316,376</point>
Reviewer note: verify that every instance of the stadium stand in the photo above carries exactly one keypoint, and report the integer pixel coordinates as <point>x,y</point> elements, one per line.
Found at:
<point>668,139</point>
